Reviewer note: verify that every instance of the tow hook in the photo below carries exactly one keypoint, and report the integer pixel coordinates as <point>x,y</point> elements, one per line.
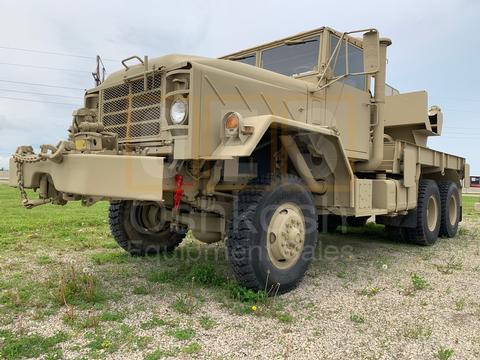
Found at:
<point>177,198</point>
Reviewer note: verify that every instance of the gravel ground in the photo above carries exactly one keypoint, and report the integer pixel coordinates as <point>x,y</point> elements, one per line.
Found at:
<point>365,297</point>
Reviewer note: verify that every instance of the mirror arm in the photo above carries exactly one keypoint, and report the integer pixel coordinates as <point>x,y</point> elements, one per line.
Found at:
<point>335,54</point>
<point>322,76</point>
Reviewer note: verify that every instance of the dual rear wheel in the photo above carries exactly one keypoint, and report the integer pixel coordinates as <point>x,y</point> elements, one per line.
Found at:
<point>438,213</point>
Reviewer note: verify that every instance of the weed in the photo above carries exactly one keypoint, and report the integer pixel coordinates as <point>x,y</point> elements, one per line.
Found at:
<point>247,296</point>
<point>460,304</point>
<point>141,290</point>
<point>418,282</point>
<point>161,354</point>
<point>182,334</point>
<point>416,332</point>
<point>192,348</point>
<point>357,319</point>
<point>112,340</point>
<point>44,260</point>
<point>207,323</point>
<point>14,298</point>
<point>112,316</point>
<point>184,304</point>
<point>285,318</point>
<point>92,321</point>
<point>443,353</point>
<point>368,291</point>
<point>450,266</point>
<point>206,275</point>
<point>75,288</point>
<point>154,322</point>
<point>142,341</point>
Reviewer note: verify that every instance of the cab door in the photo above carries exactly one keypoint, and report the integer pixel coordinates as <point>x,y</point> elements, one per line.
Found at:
<point>348,100</point>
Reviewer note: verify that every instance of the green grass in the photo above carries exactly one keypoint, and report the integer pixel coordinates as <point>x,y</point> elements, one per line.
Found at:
<point>110,258</point>
<point>141,290</point>
<point>185,304</point>
<point>285,317</point>
<point>417,331</point>
<point>161,354</point>
<point>443,353</point>
<point>357,319</point>
<point>51,227</point>
<point>110,341</point>
<point>192,348</point>
<point>15,346</point>
<point>418,282</point>
<point>74,287</point>
<point>182,334</point>
<point>155,322</point>
<point>112,316</point>
<point>207,322</point>
<point>468,206</point>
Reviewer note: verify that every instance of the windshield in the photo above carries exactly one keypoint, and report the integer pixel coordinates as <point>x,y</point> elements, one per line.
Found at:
<point>293,58</point>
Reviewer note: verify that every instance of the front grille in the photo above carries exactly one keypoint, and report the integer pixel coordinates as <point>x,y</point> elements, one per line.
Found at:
<point>132,111</point>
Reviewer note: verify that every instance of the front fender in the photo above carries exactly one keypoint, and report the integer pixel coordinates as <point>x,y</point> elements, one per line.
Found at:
<point>227,150</point>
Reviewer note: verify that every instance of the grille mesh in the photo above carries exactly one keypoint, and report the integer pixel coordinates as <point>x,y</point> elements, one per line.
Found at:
<point>131,111</point>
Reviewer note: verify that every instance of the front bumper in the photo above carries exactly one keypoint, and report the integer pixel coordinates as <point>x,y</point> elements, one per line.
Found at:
<point>118,177</point>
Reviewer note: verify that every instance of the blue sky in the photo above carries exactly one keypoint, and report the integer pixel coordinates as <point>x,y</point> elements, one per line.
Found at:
<point>435,47</point>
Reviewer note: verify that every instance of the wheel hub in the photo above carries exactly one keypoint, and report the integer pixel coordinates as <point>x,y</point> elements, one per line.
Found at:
<point>432,213</point>
<point>148,218</point>
<point>453,210</point>
<point>286,235</point>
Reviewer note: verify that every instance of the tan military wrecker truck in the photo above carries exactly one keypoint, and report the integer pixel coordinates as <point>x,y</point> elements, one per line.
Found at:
<point>263,148</point>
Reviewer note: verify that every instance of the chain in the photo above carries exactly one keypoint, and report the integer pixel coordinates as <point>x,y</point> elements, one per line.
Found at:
<point>20,158</point>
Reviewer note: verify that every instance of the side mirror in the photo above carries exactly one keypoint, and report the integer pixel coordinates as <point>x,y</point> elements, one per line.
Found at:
<point>371,51</point>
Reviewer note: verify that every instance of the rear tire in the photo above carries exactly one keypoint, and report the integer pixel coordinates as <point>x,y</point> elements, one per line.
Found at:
<point>136,235</point>
<point>272,238</point>
<point>428,215</point>
<point>450,199</point>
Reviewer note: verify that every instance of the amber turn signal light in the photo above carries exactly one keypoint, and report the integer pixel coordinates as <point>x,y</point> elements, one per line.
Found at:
<point>232,122</point>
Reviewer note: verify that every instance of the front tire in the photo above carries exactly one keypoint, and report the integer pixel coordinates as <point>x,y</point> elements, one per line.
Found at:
<point>140,230</point>
<point>428,215</point>
<point>450,199</point>
<point>272,239</point>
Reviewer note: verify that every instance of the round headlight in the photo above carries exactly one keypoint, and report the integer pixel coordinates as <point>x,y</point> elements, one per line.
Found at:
<point>178,111</point>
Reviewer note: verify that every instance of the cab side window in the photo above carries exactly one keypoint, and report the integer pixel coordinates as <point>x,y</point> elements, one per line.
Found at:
<point>355,63</point>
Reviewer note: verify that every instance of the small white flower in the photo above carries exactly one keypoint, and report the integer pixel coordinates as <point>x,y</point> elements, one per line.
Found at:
<point>384,266</point>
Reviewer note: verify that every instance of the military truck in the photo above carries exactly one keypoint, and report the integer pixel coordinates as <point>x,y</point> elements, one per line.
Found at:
<point>262,148</point>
